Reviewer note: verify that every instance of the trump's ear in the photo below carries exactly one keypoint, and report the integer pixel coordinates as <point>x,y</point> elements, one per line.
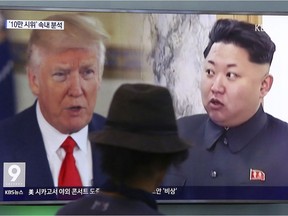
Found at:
<point>266,85</point>
<point>33,80</point>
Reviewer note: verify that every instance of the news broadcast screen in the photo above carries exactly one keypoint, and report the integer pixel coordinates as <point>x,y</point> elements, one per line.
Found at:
<point>156,47</point>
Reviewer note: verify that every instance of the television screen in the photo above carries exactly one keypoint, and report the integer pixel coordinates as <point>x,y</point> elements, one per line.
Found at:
<point>159,47</point>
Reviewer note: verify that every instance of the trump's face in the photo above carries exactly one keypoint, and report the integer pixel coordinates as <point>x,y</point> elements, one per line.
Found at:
<point>66,84</point>
<point>232,86</point>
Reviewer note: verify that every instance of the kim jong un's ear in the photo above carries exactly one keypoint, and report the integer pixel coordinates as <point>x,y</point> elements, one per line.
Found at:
<point>266,84</point>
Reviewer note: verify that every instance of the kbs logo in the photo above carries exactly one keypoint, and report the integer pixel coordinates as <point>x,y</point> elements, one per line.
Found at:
<point>14,174</point>
<point>258,28</point>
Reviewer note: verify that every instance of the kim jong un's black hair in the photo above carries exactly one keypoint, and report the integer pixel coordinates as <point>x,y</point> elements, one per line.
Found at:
<point>249,36</point>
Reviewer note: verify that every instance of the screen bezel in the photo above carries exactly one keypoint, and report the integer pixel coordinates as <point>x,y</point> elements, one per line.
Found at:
<point>158,10</point>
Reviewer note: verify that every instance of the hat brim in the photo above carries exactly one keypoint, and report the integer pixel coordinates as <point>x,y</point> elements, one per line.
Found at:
<point>146,142</point>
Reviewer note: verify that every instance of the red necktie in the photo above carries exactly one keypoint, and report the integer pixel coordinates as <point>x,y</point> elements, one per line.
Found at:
<point>69,175</point>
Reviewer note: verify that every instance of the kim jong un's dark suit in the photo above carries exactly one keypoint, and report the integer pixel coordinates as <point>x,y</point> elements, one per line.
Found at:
<point>252,154</point>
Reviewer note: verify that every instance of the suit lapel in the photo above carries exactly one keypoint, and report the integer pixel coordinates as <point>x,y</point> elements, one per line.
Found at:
<point>99,178</point>
<point>31,149</point>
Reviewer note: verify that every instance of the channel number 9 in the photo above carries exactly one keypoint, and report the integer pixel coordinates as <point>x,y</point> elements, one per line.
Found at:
<point>14,171</point>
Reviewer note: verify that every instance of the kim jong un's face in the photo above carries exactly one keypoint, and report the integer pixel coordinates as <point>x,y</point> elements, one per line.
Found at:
<point>232,86</point>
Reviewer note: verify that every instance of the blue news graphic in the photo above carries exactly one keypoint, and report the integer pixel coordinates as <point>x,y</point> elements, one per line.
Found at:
<point>46,194</point>
<point>162,194</point>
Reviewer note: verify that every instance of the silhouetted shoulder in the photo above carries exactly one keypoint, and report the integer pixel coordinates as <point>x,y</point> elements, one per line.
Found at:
<point>101,204</point>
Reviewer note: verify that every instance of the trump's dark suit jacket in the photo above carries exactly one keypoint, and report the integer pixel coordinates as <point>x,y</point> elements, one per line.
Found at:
<point>252,154</point>
<point>21,141</point>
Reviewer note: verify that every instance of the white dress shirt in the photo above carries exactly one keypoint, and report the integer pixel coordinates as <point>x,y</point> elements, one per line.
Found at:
<point>53,140</point>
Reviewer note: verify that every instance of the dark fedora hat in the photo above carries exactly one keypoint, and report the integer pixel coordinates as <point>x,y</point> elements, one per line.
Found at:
<point>141,117</point>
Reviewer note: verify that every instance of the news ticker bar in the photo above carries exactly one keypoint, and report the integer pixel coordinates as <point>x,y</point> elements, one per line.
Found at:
<point>30,194</point>
<point>186,193</point>
<point>35,24</point>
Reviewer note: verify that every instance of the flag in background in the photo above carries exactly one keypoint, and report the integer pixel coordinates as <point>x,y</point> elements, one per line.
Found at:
<point>7,99</point>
